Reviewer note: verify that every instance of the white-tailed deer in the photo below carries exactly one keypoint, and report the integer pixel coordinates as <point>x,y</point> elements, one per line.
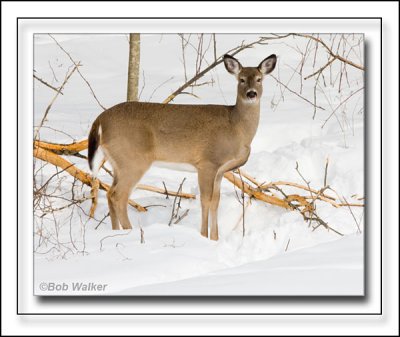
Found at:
<point>213,138</point>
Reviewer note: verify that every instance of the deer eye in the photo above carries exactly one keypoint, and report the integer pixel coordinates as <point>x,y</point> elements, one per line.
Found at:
<point>259,80</point>
<point>242,80</point>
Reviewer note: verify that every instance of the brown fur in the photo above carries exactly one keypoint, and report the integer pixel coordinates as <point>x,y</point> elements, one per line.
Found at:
<point>212,138</point>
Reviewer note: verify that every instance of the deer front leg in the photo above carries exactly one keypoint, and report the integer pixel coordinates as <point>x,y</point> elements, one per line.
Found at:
<point>207,176</point>
<point>214,206</point>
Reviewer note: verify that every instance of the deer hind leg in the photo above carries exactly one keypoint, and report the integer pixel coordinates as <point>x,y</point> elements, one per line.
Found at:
<point>124,182</point>
<point>206,183</point>
<point>214,206</point>
<point>111,207</point>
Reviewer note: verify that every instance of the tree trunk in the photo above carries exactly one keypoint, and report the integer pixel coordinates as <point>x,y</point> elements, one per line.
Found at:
<point>133,69</point>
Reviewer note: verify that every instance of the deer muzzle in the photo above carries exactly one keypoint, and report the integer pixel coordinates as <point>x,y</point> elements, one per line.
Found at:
<point>251,94</point>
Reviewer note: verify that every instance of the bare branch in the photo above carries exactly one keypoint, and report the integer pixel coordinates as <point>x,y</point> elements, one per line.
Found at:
<point>76,64</point>
<point>321,69</point>
<point>334,55</point>
<point>341,103</point>
<point>176,207</point>
<point>47,84</point>
<point>200,74</point>
<point>54,98</point>
<point>294,92</point>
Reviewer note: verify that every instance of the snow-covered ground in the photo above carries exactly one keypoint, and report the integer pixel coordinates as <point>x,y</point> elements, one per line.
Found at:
<point>280,254</point>
<point>326,269</point>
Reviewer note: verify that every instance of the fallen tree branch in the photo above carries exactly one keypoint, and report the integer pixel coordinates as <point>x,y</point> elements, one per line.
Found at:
<point>77,173</point>
<point>252,192</point>
<point>249,178</point>
<point>94,193</point>
<point>288,183</point>
<point>163,191</point>
<point>320,195</point>
<point>308,208</point>
<point>63,149</point>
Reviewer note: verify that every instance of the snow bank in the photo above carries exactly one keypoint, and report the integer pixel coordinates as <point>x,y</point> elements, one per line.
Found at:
<point>335,268</point>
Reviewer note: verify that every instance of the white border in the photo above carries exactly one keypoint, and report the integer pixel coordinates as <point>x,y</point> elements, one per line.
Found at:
<point>26,30</point>
<point>16,325</point>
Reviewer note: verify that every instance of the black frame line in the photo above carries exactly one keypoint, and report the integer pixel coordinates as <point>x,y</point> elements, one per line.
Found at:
<point>198,297</point>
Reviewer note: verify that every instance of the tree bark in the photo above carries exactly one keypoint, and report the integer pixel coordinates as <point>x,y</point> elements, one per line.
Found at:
<point>133,68</point>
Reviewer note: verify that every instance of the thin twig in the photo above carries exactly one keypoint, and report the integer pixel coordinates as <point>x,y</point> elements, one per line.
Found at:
<point>174,213</point>
<point>166,191</point>
<point>76,63</point>
<point>287,245</point>
<point>54,98</point>
<point>297,94</point>
<point>352,214</point>
<point>113,236</point>
<point>181,216</point>
<point>102,220</point>
<point>336,56</point>
<point>326,171</point>
<point>47,84</point>
<point>321,69</point>
<point>341,103</point>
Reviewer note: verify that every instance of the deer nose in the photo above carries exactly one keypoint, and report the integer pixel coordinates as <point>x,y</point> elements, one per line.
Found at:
<point>251,94</point>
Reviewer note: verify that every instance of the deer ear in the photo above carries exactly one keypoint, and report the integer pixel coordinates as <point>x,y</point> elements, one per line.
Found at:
<point>267,65</point>
<point>232,65</point>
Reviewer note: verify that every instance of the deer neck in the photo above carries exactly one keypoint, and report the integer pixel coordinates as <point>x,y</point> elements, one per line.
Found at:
<point>246,118</point>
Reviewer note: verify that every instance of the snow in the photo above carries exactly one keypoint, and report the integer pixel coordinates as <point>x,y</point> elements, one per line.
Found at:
<point>280,254</point>
<point>334,268</point>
